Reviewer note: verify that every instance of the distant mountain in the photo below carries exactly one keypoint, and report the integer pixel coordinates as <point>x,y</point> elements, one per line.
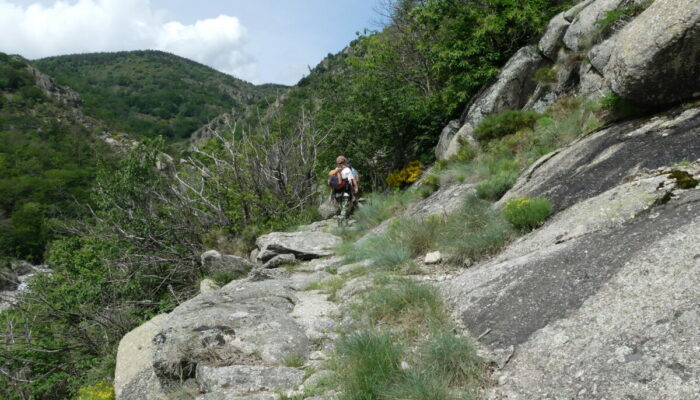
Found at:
<point>151,93</point>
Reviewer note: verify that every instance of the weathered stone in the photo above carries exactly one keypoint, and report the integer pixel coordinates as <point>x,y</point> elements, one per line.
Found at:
<point>434,257</point>
<point>319,377</point>
<point>213,261</point>
<point>448,132</point>
<point>510,92</point>
<point>207,285</point>
<point>243,323</point>
<point>280,259</point>
<point>229,395</point>
<point>635,336</point>
<point>304,245</point>
<point>301,281</point>
<point>244,379</point>
<point>551,40</point>
<point>603,159</point>
<point>315,313</point>
<point>320,264</point>
<point>571,13</point>
<point>600,54</point>
<point>326,225</point>
<point>591,85</point>
<point>134,376</point>
<point>584,30</point>
<point>263,274</point>
<point>656,58</point>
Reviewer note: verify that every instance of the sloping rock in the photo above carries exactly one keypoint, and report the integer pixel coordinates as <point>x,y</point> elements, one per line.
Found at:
<point>603,159</point>
<point>634,337</point>
<point>304,245</point>
<point>448,132</point>
<point>600,54</point>
<point>584,30</point>
<point>213,261</point>
<point>510,92</point>
<point>571,13</point>
<point>522,291</point>
<point>243,323</point>
<point>656,59</point>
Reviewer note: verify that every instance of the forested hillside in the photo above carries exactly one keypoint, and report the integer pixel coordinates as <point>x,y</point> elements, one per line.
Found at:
<point>47,162</point>
<point>151,93</point>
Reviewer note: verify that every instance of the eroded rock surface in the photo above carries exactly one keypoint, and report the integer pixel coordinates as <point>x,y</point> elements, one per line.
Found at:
<point>656,59</point>
<point>304,245</point>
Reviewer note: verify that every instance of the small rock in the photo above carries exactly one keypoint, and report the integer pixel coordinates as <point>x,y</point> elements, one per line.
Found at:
<point>433,258</point>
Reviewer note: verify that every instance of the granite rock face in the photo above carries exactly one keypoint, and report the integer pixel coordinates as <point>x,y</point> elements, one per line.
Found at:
<point>600,301</point>
<point>213,261</point>
<point>511,91</point>
<point>656,58</point>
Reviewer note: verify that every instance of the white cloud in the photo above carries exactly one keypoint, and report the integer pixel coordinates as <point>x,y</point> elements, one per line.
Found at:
<point>36,31</point>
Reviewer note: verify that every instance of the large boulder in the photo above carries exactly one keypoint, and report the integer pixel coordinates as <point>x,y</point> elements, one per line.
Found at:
<point>509,92</point>
<point>134,376</point>
<point>243,323</point>
<point>656,58</point>
<point>448,132</point>
<point>550,43</point>
<point>239,380</point>
<point>304,245</point>
<point>584,30</point>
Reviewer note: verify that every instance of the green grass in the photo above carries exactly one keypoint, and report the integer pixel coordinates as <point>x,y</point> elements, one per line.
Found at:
<point>368,362</point>
<point>508,122</point>
<point>526,214</point>
<point>453,359</point>
<point>293,360</point>
<point>409,306</point>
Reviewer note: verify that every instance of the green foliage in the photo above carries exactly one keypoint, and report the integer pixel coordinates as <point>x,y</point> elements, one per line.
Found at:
<point>151,93</point>
<point>684,180</point>
<point>617,107</point>
<point>615,19</point>
<point>47,163</point>
<point>386,96</point>
<point>545,75</point>
<point>496,185</point>
<point>99,391</point>
<point>293,360</point>
<point>453,358</point>
<point>508,122</point>
<point>411,306</point>
<point>527,214</point>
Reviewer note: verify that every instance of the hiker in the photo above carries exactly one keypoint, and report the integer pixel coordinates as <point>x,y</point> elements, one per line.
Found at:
<point>343,186</point>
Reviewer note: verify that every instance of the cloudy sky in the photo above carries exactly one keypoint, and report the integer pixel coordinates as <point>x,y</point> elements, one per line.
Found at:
<point>256,40</point>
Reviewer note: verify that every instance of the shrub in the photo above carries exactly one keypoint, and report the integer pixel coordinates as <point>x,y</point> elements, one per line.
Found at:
<point>684,180</point>
<point>508,122</point>
<point>496,186</point>
<point>466,152</point>
<point>526,214</point>
<point>617,107</point>
<point>406,176</point>
<point>453,359</point>
<point>99,391</point>
<point>616,19</point>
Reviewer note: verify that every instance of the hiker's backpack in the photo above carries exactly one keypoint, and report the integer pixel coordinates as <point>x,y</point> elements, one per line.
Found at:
<point>336,181</point>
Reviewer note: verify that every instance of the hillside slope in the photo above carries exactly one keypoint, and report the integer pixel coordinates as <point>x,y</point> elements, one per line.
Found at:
<point>151,93</point>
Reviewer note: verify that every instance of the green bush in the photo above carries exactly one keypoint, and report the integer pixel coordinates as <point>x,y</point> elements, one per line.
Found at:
<point>496,186</point>
<point>617,107</point>
<point>368,362</point>
<point>508,122</point>
<point>453,358</point>
<point>527,214</point>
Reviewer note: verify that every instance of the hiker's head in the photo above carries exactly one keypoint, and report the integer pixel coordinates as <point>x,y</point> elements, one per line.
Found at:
<point>341,160</point>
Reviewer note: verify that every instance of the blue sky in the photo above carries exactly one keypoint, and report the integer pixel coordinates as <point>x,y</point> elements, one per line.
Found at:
<point>259,41</point>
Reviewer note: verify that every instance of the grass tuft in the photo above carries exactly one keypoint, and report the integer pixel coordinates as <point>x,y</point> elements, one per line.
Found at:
<point>527,214</point>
